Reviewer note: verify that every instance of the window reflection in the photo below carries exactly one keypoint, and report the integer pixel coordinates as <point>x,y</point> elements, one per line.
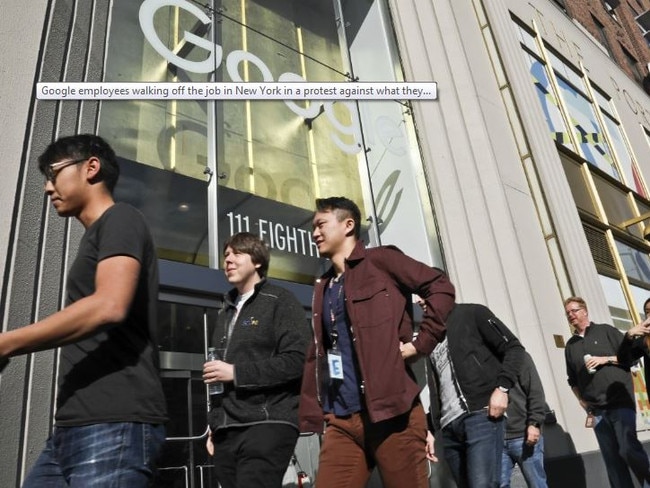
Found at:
<point>630,171</point>
<point>587,129</point>
<point>635,262</point>
<point>549,103</point>
<point>614,199</point>
<point>175,207</point>
<point>165,134</point>
<point>181,328</point>
<point>618,307</point>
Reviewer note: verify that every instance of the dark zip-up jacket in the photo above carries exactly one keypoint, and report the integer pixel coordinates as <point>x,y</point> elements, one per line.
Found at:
<point>526,402</point>
<point>485,354</point>
<point>267,347</point>
<point>378,287</point>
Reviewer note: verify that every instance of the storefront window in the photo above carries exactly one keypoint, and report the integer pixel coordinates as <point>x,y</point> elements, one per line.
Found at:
<point>203,170</point>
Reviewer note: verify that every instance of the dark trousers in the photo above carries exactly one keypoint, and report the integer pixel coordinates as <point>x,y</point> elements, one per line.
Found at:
<point>255,456</point>
<point>353,446</point>
<point>615,431</point>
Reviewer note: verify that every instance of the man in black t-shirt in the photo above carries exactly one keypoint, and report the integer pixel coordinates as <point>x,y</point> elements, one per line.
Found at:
<point>110,404</point>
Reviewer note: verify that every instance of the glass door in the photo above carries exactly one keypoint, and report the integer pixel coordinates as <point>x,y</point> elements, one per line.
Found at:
<point>184,325</point>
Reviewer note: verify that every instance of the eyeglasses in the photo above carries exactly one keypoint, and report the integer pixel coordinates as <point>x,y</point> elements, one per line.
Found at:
<point>52,170</point>
<point>573,311</point>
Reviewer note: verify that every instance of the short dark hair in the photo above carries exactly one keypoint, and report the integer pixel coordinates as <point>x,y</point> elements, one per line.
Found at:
<point>645,303</point>
<point>251,244</point>
<point>344,208</point>
<point>81,146</point>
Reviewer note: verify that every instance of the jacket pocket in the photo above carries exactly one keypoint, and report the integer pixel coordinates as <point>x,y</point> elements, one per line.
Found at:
<point>371,305</point>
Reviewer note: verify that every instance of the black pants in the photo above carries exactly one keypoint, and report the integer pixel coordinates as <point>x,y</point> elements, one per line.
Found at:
<point>255,456</point>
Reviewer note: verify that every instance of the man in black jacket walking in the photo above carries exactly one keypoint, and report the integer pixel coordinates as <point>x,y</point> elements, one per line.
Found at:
<point>254,422</point>
<point>473,372</point>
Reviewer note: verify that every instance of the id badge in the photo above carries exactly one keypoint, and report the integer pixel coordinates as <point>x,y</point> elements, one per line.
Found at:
<point>335,362</point>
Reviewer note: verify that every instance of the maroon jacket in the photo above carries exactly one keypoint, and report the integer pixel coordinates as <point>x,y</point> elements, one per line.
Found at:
<point>377,288</point>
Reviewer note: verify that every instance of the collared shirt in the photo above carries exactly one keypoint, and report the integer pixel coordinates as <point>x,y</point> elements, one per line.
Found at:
<point>611,385</point>
<point>342,397</point>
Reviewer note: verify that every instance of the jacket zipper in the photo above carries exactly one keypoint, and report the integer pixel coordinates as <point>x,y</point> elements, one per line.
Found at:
<point>315,336</point>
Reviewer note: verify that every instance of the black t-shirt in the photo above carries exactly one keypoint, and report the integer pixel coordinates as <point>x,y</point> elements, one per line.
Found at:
<point>113,376</point>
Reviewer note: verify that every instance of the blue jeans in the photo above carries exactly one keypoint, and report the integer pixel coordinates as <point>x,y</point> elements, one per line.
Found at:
<point>112,455</point>
<point>615,430</point>
<point>472,446</point>
<point>529,458</point>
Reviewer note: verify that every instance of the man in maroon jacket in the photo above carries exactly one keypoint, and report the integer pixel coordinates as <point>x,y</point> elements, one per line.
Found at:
<point>357,380</point>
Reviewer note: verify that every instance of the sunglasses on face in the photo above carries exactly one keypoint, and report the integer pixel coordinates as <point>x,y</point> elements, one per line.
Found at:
<point>52,170</point>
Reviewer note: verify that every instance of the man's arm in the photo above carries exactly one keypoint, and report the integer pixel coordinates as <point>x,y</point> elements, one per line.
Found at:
<point>633,345</point>
<point>116,280</point>
<point>505,345</point>
<point>435,289</point>
<point>535,402</point>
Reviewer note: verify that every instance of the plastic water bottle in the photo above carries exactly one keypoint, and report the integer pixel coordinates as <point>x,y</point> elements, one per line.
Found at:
<point>214,388</point>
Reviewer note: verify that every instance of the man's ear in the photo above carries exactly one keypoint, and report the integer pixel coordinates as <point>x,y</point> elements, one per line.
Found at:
<point>94,165</point>
<point>349,227</point>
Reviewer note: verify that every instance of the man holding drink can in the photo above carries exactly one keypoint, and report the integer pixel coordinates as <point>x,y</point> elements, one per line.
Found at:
<point>603,386</point>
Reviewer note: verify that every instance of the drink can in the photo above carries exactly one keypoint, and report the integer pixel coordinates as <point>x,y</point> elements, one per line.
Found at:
<point>587,357</point>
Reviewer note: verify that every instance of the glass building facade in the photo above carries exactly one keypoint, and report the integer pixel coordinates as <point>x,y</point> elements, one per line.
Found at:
<point>202,170</point>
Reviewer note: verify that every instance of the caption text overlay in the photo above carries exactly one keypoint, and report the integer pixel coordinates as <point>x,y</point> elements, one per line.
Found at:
<point>238,91</point>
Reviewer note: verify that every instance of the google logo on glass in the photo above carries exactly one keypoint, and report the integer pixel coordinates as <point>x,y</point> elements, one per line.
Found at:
<point>234,59</point>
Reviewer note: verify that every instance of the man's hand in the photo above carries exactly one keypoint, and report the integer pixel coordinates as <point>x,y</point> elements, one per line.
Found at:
<point>639,329</point>
<point>498,404</point>
<point>532,435</point>
<point>595,362</point>
<point>408,350</point>
<point>209,445</point>
<point>430,450</point>
<point>218,371</point>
